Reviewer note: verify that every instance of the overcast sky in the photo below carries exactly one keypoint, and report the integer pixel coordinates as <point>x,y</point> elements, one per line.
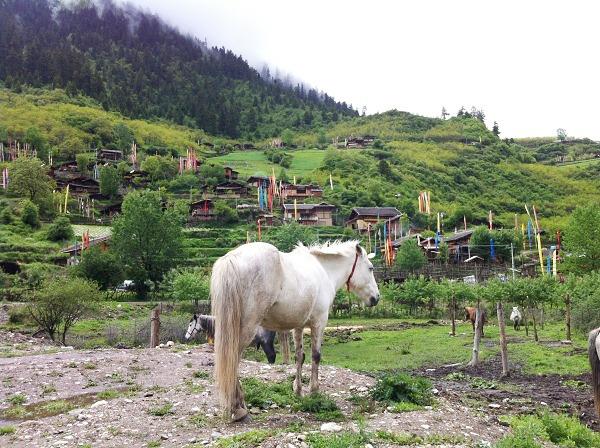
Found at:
<point>533,66</point>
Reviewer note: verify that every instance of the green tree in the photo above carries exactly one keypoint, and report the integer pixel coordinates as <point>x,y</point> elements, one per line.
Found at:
<point>188,285</point>
<point>496,129</point>
<point>60,229</point>
<point>110,181</point>
<point>29,178</point>
<point>122,136</point>
<point>410,256</point>
<point>286,237</point>
<point>581,240</point>
<point>100,266</point>
<point>147,239</point>
<point>159,168</point>
<point>36,139</point>
<point>30,213</point>
<point>212,174</point>
<point>83,162</point>
<point>61,302</point>
<point>225,213</point>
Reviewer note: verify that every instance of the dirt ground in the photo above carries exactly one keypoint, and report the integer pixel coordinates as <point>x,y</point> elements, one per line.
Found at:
<point>155,377</point>
<point>519,393</point>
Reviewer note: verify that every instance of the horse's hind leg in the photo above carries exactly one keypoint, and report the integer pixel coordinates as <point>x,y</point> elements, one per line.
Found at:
<point>299,360</point>
<point>316,333</point>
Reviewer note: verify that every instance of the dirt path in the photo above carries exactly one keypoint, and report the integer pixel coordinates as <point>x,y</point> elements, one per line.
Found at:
<point>180,376</point>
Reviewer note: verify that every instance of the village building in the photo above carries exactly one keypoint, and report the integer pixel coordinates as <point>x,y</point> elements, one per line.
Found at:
<point>203,210</point>
<point>79,185</point>
<point>230,190</point>
<point>112,210</point>
<point>310,214</point>
<point>301,191</point>
<point>136,179</point>
<point>362,218</point>
<point>256,181</point>
<point>230,173</point>
<point>110,155</point>
<point>75,250</point>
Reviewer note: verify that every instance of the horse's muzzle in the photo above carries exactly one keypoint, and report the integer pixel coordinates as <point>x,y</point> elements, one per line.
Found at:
<point>374,300</point>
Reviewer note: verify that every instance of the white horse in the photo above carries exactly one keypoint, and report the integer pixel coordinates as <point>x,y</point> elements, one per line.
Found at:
<point>516,317</point>
<point>255,284</point>
<point>593,355</point>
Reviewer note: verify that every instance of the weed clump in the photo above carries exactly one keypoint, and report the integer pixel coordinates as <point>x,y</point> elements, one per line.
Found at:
<point>400,387</point>
<point>321,406</point>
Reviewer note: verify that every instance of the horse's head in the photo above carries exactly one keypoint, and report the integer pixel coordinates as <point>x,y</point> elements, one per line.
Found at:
<point>192,328</point>
<point>361,280</point>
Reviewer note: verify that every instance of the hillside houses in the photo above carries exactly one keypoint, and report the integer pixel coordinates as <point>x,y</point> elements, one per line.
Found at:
<point>310,214</point>
<point>362,218</point>
<point>301,192</point>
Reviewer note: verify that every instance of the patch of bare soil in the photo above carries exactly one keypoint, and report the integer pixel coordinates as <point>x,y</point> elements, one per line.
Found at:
<point>167,396</point>
<point>483,388</point>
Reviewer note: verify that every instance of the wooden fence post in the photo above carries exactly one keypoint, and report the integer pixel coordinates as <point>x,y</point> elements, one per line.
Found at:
<point>154,327</point>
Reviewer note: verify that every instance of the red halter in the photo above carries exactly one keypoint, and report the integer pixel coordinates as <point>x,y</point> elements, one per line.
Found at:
<point>352,272</point>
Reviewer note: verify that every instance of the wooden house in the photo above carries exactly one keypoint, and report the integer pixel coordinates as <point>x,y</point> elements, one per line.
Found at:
<point>110,155</point>
<point>301,191</point>
<point>230,173</point>
<point>75,249</point>
<point>458,245</point>
<point>70,166</point>
<point>231,189</point>
<point>79,185</point>
<point>255,181</point>
<point>310,214</point>
<point>203,210</point>
<point>361,217</point>
<point>136,179</point>
<point>112,210</point>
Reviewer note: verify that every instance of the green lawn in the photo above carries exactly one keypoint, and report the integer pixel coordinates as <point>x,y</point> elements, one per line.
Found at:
<point>249,163</point>
<point>422,347</point>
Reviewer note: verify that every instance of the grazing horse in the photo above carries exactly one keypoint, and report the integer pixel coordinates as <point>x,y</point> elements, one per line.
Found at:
<point>593,355</point>
<point>516,317</point>
<point>263,338</point>
<point>471,314</point>
<point>255,284</point>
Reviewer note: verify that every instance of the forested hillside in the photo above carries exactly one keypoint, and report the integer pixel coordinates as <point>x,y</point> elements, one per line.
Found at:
<point>133,63</point>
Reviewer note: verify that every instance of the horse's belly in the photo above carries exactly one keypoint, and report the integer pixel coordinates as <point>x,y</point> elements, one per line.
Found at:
<point>287,316</point>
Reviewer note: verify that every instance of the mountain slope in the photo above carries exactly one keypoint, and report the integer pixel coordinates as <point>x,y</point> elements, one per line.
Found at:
<point>133,63</point>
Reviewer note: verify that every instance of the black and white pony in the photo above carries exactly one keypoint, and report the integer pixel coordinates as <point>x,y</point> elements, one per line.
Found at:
<point>516,317</point>
<point>263,338</point>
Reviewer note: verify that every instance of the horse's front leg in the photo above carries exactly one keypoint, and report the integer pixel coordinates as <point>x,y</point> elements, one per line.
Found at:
<point>298,334</point>
<point>316,333</point>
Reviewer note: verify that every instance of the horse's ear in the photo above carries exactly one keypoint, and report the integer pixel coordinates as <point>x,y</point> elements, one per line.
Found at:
<point>359,250</point>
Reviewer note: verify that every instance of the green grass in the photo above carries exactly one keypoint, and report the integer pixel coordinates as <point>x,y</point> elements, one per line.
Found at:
<point>403,388</point>
<point>247,439</point>
<point>161,411</point>
<point>535,431</point>
<point>343,440</point>
<point>249,163</point>
<point>17,399</point>
<point>7,430</point>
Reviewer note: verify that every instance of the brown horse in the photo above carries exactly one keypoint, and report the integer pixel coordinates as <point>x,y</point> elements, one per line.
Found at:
<point>471,314</point>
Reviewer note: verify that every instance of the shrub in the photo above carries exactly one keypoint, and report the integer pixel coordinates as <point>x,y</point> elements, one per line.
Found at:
<point>322,406</point>
<point>60,230</point>
<point>400,387</point>
<point>61,302</point>
<point>18,315</point>
<point>30,214</point>
<point>410,256</point>
<point>102,267</point>
<point>6,216</point>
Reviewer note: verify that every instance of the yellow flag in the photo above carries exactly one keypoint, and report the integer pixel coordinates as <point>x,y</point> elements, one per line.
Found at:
<point>295,210</point>
<point>66,198</point>
<point>539,244</point>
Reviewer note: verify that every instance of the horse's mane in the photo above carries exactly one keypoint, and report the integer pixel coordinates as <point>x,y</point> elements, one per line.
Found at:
<point>337,247</point>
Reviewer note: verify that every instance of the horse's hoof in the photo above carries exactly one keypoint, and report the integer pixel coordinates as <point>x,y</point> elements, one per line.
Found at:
<point>240,415</point>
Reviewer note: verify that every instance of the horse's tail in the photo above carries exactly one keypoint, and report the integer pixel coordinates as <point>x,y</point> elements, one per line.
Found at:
<point>227,299</point>
<point>595,365</point>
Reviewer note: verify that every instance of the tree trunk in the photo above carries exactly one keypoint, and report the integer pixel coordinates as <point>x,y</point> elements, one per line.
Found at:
<point>154,327</point>
<point>526,321</point>
<point>535,333</point>
<point>542,318</point>
<point>568,316</point>
<point>477,337</point>
<point>453,315</point>
<point>503,346</point>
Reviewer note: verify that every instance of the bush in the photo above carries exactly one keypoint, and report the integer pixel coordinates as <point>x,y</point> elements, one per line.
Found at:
<point>18,315</point>
<point>410,256</point>
<point>225,213</point>
<point>30,214</point>
<point>400,387</point>
<point>322,406</point>
<point>101,267</point>
<point>60,230</point>
<point>61,302</point>
<point>6,216</point>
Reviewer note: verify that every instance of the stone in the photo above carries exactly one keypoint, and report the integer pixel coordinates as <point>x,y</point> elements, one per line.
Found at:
<point>164,437</point>
<point>216,435</point>
<point>494,405</point>
<point>434,391</point>
<point>254,410</point>
<point>98,403</point>
<point>330,427</point>
<point>425,426</point>
<point>195,409</point>
<point>170,343</point>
